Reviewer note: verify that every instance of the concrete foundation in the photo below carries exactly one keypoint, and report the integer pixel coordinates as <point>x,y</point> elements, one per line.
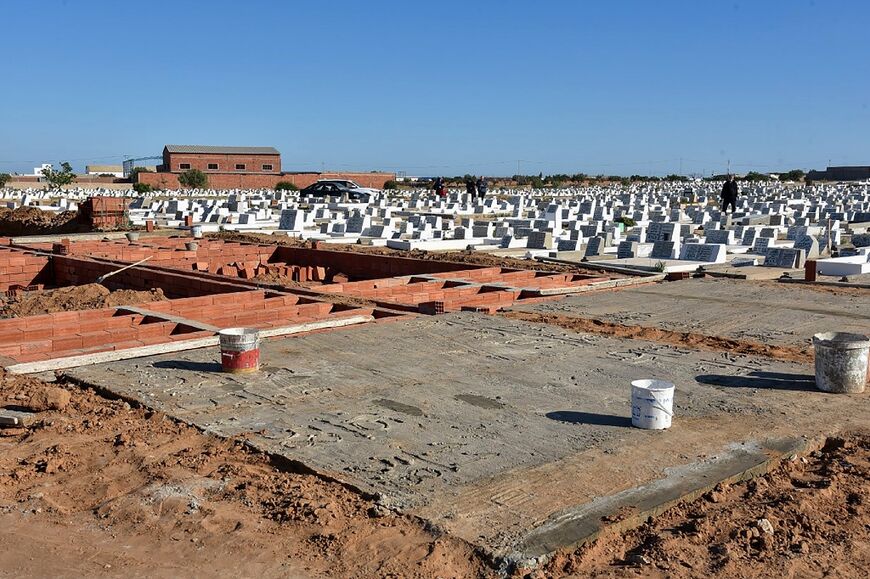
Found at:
<point>511,435</point>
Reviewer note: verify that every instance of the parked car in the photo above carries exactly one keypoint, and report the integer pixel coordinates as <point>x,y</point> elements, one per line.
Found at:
<point>338,188</point>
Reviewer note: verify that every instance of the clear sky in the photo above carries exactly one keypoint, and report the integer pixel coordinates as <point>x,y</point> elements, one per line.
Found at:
<point>442,87</point>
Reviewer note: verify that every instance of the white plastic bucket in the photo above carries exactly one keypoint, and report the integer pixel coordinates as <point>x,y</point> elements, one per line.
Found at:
<point>652,403</point>
<point>841,362</point>
<point>196,231</point>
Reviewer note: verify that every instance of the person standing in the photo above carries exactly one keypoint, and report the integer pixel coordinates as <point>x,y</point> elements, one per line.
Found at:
<point>437,185</point>
<point>729,194</point>
<point>470,187</point>
<point>482,186</point>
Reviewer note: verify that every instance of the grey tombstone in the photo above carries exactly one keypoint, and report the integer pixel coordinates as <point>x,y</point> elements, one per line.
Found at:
<point>725,236</point>
<point>540,240</point>
<point>627,249</point>
<point>785,257</point>
<point>706,252</point>
<point>809,244</point>
<point>663,250</point>
<point>761,245</point>
<point>594,247</point>
<point>567,245</point>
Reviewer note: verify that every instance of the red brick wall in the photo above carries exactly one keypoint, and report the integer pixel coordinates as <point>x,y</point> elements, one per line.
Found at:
<point>77,271</point>
<point>361,265</point>
<point>23,268</point>
<point>249,181</point>
<point>226,163</point>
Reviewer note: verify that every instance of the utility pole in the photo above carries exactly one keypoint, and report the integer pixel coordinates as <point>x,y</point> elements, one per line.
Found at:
<point>729,166</point>
<point>681,165</point>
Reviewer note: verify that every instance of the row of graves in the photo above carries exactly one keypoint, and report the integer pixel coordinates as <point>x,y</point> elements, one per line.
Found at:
<point>672,227</point>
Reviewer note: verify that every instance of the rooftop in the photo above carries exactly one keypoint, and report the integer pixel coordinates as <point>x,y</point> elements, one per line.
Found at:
<point>209,149</point>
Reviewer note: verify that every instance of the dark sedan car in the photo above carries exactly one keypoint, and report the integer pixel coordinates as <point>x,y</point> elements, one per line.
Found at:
<point>336,189</point>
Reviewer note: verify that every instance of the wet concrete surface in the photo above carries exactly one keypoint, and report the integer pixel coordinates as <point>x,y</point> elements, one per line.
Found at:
<point>513,436</point>
<point>770,312</point>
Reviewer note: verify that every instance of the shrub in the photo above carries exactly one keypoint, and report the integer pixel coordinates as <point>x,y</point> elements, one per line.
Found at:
<point>142,188</point>
<point>193,178</point>
<point>134,173</point>
<point>390,185</point>
<point>627,221</point>
<point>4,178</point>
<point>285,186</point>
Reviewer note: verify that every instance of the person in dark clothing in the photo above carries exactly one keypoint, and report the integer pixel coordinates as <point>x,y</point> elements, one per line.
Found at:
<point>482,186</point>
<point>470,187</point>
<point>439,182</point>
<point>729,194</point>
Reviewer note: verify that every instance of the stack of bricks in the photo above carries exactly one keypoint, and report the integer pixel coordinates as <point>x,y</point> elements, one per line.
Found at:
<point>105,212</point>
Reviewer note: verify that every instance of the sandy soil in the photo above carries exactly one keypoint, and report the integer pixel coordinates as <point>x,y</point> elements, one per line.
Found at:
<point>99,488</point>
<point>469,257</point>
<point>685,339</point>
<point>34,221</point>
<point>807,518</point>
<point>83,297</point>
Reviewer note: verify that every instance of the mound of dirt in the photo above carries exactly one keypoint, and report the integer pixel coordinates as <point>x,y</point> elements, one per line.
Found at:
<point>35,221</point>
<point>685,339</point>
<point>82,297</point>
<point>807,518</point>
<point>105,489</point>
<point>469,257</point>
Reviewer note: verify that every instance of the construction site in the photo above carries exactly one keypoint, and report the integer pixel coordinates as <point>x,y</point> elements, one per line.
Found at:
<point>414,414</point>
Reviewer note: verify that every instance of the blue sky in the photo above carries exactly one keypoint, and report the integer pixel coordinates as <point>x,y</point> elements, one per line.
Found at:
<point>447,87</point>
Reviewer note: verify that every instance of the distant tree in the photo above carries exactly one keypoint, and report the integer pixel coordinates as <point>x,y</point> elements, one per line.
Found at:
<point>57,179</point>
<point>4,178</point>
<point>753,176</point>
<point>390,185</point>
<point>285,186</point>
<point>676,178</point>
<point>193,179</point>
<point>142,188</point>
<point>793,175</point>
<point>134,174</point>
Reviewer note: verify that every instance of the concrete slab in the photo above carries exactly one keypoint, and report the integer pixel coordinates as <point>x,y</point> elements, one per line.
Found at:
<point>513,436</point>
<point>771,312</point>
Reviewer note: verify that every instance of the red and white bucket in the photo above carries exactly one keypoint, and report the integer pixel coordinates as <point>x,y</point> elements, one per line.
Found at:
<point>240,350</point>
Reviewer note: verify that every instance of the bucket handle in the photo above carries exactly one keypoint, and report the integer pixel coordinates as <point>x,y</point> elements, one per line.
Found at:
<point>663,409</point>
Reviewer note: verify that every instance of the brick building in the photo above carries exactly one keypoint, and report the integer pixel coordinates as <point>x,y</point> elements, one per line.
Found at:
<point>221,160</point>
<point>241,168</point>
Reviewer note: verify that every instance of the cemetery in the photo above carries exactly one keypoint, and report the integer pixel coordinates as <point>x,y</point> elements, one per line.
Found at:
<point>460,361</point>
<point>673,227</point>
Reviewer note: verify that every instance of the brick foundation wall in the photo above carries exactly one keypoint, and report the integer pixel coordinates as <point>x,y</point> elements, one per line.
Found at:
<point>363,266</point>
<point>264,181</point>
<point>23,268</point>
<point>77,271</point>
